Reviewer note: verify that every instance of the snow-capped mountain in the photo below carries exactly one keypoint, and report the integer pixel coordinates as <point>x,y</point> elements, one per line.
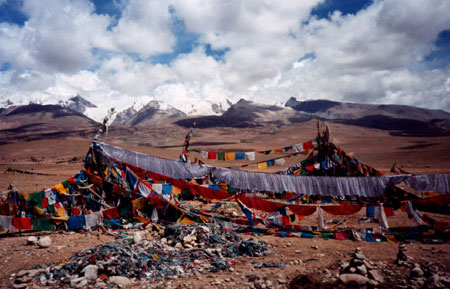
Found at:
<point>172,108</point>
<point>6,103</point>
<point>154,112</point>
<point>77,103</point>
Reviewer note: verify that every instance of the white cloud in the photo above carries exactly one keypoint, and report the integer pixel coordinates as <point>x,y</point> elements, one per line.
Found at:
<point>374,56</point>
<point>144,28</point>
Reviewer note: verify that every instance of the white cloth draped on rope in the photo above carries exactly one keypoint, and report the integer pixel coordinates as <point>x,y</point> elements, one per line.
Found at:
<point>6,223</point>
<point>416,215</point>
<point>320,221</point>
<point>382,219</point>
<point>257,181</point>
<point>93,219</point>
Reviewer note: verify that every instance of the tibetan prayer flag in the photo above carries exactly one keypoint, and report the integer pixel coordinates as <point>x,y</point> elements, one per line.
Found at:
<point>286,149</point>
<point>61,189</point>
<point>36,198</point>
<point>240,156</point>
<point>278,150</point>
<point>75,211</point>
<point>280,162</point>
<point>389,211</point>
<point>157,188</point>
<point>298,147</point>
<point>6,223</point>
<point>302,210</point>
<point>270,163</point>
<point>247,212</point>
<point>310,168</point>
<point>317,166</point>
<point>76,222</point>
<point>342,209</point>
<point>42,225</point>
<point>138,204</point>
<point>212,155</point>
<point>22,223</point>
<point>176,190</point>
<point>370,211</point>
<point>111,214</point>
<point>204,154</point>
<point>262,205</point>
<point>144,189</point>
<point>167,189</point>
<point>229,156</point>
<point>132,179</point>
<point>221,156</point>
<point>250,156</point>
<point>308,145</point>
<point>38,211</point>
<point>214,187</point>
<point>262,166</point>
<point>93,219</point>
<point>340,235</point>
<point>44,202</point>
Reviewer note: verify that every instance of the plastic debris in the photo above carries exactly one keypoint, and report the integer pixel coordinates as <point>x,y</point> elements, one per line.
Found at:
<point>178,251</point>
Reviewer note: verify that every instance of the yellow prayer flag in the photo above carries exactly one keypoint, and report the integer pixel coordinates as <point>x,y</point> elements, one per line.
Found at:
<point>59,220</point>
<point>262,166</point>
<point>61,190</point>
<point>229,156</point>
<point>61,212</point>
<point>176,191</point>
<point>38,211</point>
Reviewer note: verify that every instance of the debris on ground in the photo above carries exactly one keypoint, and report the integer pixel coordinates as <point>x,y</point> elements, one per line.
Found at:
<point>180,250</point>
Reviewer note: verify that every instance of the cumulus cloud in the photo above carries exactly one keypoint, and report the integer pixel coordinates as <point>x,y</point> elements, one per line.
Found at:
<point>271,50</point>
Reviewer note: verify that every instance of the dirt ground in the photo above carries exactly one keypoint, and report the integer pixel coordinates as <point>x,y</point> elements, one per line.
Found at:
<point>62,158</point>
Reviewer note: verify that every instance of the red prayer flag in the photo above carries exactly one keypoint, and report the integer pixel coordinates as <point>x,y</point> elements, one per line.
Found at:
<point>212,155</point>
<point>307,145</point>
<point>342,209</point>
<point>302,210</point>
<point>389,211</point>
<point>44,202</point>
<point>22,223</point>
<point>262,205</point>
<point>341,236</point>
<point>111,214</point>
<point>75,211</point>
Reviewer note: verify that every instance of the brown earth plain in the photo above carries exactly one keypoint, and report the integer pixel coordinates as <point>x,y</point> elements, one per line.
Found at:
<point>316,258</point>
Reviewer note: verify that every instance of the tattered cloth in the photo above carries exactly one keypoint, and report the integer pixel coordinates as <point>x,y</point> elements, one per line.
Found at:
<point>256,181</point>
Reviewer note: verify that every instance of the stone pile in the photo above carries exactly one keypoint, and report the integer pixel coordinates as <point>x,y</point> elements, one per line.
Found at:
<point>427,275</point>
<point>360,271</point>
<point>181,250</point>
<point>402,258</point>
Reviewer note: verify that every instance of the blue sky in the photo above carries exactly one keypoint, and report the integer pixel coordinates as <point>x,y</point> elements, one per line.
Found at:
<point>189,54</point>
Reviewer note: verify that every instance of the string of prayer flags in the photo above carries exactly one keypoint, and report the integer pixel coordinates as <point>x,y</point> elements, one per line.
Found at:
<point>231,156</point>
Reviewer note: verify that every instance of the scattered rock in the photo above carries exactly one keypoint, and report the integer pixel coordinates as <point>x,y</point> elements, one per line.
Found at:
<point>137,237</point>
<point>416,272</point>
<point>32,240</point>
<point>90,272</point>
<point>44,242</point>
<point>359,279</point>
<point>75,282</point>
<point>120,280</point>
<point>376,275</point>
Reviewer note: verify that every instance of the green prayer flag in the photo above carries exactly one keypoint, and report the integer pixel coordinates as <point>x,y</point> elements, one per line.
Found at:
<point>65,184</point>
<point>42,225</point>
<point>36,199</point>
<point>221,156</point>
